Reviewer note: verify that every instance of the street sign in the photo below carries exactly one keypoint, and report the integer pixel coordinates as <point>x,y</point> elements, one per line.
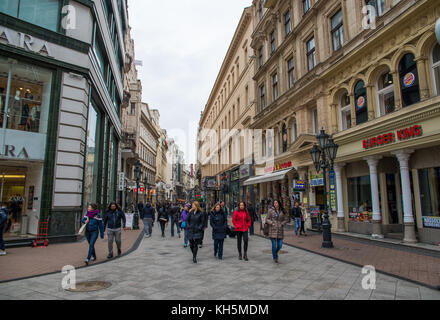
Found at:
<point>121,184</point>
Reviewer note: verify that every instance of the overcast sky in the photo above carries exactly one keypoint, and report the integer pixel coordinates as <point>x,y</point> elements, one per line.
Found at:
<point>182,44</point>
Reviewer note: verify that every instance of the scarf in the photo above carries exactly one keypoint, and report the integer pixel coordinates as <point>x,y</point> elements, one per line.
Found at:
<point>92,214</point>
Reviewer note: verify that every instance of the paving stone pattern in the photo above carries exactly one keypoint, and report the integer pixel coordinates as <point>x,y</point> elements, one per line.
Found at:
<point>154,272</point>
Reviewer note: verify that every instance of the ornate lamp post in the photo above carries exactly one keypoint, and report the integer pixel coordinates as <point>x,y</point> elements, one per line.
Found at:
<point>137,174</point>
<point>145,188</point>
<point>323,157</point>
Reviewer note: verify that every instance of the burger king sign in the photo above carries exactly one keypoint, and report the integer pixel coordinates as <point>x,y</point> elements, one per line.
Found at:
<point>409,79</point>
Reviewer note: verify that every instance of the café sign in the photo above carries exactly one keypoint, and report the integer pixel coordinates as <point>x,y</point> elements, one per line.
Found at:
<point>392,137</point>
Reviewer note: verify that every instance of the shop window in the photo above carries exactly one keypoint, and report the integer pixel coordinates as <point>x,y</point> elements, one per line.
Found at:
<point>429,182</point>
<point>359,199</point>
<point>92,159</point>
<point>43,13</point>
<point>360,94</point>
<point>409,80</point>
<point>345,112</point>
<point>436,68</point>
<point>25,92</point>
<point>385,94</point>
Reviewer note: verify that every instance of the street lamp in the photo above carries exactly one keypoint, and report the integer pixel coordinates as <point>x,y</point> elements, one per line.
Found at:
<point>323,157</point>
<point>137,175</point>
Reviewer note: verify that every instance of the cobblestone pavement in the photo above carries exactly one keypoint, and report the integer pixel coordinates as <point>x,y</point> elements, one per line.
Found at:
<point>163,269</point>
<point>407,263</point>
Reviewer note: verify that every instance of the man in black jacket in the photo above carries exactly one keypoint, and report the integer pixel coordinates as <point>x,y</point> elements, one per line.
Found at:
<point>174,212</point>
<point>254,218</point>
<point>115,220</point>
<point>148,215</point>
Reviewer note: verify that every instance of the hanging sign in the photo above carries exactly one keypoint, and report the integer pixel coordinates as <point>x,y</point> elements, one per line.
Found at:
<point>332,180</point>
<point>299,185</point>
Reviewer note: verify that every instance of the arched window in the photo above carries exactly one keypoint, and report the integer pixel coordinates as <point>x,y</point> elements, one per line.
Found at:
<point>409,80</point>
<point>345,112</point>
<point>284,137</point>
<point>385,94</point>
<point>436,69</point>
<point>360,95</point>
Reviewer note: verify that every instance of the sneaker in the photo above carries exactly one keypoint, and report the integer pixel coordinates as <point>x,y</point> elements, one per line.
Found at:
<point>87,262</point>
<point>2,252</point>
<point>194,260</point>
<point>110,256</point>
<point>93,259</point>
<point>240,257</point>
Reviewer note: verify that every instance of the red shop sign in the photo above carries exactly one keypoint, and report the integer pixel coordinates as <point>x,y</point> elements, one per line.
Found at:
<point>391,137</point>
<point>278,167</point>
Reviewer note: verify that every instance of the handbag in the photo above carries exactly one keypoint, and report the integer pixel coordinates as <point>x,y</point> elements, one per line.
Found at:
<point>82,230</point>
<point>183,225</point>
<point>266,229</point>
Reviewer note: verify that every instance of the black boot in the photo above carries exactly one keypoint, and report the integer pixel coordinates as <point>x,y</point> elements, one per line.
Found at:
<point>194,259</point>
<point>240,256</point>
<point>245,257</point>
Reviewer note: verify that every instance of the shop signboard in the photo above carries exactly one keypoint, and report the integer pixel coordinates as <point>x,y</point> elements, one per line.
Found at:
<point>245,171</point>
<point>317,180</point>
<point>278,167</point>
<point>121,184</point>
<point>315,211</point>
<point>393,137</point>
<point>299,185</point>
<point>431,222</point>
<point>235,175</point>
<point>210,182</point>
<point>22,145</point>
<point>332,180</point>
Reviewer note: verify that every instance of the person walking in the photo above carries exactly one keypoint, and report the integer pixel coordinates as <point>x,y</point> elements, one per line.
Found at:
<point>3,221</point>
<point>254,218</point>
<point>242,222</point>
<point>303,220</point>
<point>183,223</point>
<point>148,215</point>
<point>296,214</point>
<point>175,218</point>
<point>205,225</point>
<point>224,208</point>
<point>195,227</point>
<point>94,228</point>
<point>163,218</point>
<point>219,222</point>
<point>115,220</point>
<point>276,219</point>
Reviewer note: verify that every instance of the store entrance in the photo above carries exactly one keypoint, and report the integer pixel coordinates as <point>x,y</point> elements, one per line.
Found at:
<point>12,187</point>
<point>394,217</point>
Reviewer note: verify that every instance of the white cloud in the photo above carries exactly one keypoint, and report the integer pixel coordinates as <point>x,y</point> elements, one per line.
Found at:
<point>182,44</point>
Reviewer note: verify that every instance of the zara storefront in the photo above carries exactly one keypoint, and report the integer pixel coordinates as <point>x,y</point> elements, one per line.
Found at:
<point>59,118</point>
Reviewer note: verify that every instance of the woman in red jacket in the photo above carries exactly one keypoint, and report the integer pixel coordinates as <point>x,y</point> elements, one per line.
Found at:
<point>242,222</point>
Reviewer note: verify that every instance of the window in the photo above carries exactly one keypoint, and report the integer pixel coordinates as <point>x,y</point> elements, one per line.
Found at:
<point>315,120</point>
<point>264,144</point>
<point>290,72</point>
<point>337,30</point>
<point>436,68</point>
<point>43,13</point>
<point>359,196</point>
<point>379,6</point>
<point>287,24</point>
<point>272,41</point>
<point>345,112</point>
<point>284,137</point>
<point>311,54</point>
<point>306,5</point>
<point>294,132</point>
<point>246,96</point>
<point>260,57</point>
<point>260,11</point>
<point>429,182</point>
<point>262,97</point>
<point>133,109</point>
<point>275,86</point>
<point>385,94</point>
<point>409,80</point>
<point>360,94</point>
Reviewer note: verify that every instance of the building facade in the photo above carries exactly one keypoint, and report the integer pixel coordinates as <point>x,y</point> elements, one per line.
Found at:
<point>229,110</point>
<point>61,90</point>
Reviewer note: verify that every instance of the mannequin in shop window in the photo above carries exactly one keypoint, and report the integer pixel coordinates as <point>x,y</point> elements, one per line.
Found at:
<point>15,111</point>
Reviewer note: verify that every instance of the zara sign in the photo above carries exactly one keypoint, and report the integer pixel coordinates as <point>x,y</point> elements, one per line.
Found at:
<point>24,41</point>
<point>22,145</point>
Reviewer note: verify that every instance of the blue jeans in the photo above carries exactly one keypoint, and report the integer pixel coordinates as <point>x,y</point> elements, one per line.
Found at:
<point>277,244</point>
<point>91,237</point>
<point>218,247</point>
<point>297,225</point>
<point>185,240</point>
<point>2,242</point>
<point>175,222</point>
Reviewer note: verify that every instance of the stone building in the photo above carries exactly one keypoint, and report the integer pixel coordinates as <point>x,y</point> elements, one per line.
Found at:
<point>230,108</point>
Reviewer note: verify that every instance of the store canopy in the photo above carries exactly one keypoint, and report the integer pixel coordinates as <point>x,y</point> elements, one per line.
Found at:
<point>273,176</point>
